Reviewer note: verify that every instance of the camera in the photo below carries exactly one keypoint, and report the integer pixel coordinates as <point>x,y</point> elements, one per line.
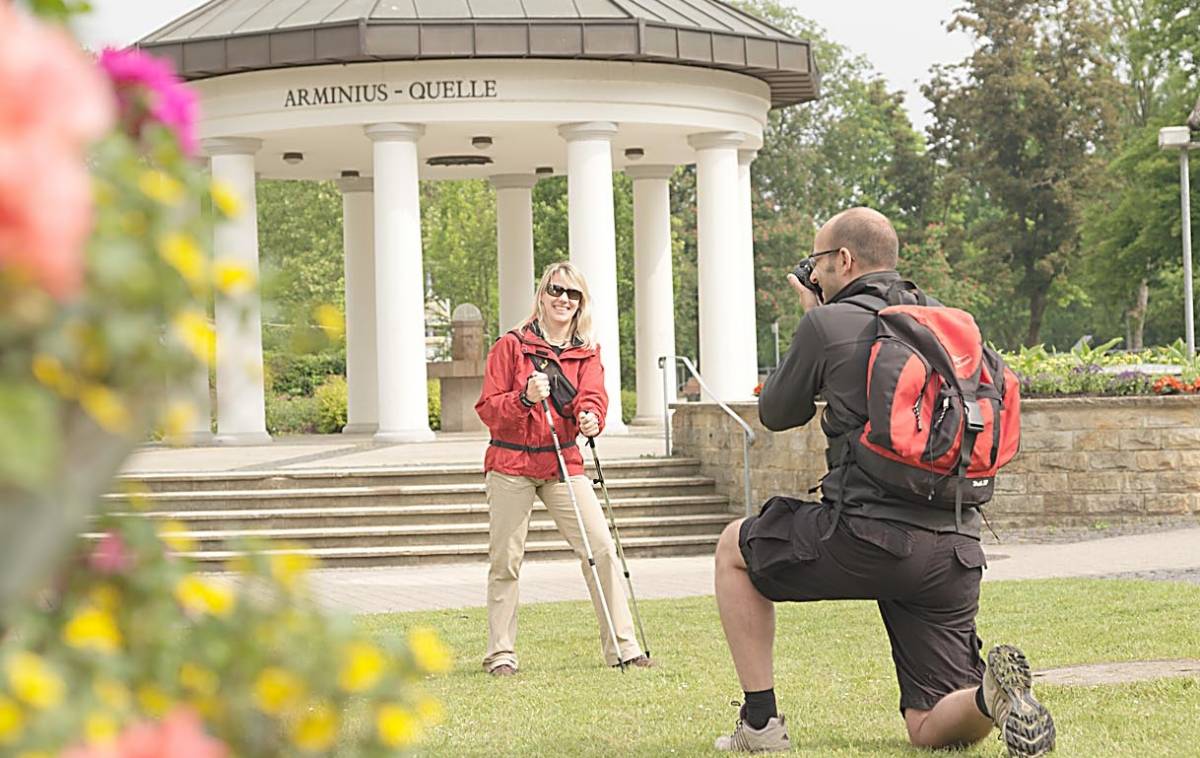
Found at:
<point>803,272</point>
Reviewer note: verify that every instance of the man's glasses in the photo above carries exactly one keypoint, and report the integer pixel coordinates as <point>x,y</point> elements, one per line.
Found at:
<point>555,291</point>
<point>814,256</point>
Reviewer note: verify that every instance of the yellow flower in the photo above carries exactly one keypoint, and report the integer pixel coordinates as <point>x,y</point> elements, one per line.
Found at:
<point>362,666</point>
<point>106,408</point>
<point>290,568</point>
<point>105,596</point>
<point>49,371</point>
<point>397,726</point>
<point>430,653</point>
<point>161,187</point>
<point>135,492</point>
<point>12,721</point>
<point>316,729</point>
<point>233,278</point>
<point>176,419</point>
<point>431,711</point>
<point>93,629</point>
<point>331,321</point>
<point>198,679</point>
<point>225,199</point>
<point>277,690</point>
<point>176,536</point>
<point>113,694</point>
<point>153,700</point>
<point>100,727</point>
<point>200,596</point>
<point>33,681</point>
<point>185,256</point>
<point>192,328</point>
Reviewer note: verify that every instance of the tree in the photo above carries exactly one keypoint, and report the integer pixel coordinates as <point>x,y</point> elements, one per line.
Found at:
<point>1023,118</point>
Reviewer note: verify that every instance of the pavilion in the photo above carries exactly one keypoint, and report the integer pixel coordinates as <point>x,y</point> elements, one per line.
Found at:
<point>379,94</point>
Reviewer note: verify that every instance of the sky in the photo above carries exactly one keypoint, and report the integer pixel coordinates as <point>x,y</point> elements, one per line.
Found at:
<point>901,40</point>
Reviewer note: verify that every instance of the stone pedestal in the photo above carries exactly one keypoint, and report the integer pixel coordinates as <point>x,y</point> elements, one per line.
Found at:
<point>461,378</point>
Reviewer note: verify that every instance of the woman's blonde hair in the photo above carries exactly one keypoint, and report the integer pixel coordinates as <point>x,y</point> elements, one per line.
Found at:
<point>581,322</point>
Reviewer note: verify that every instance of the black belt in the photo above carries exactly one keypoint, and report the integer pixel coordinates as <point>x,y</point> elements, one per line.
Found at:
<point>527,449</point>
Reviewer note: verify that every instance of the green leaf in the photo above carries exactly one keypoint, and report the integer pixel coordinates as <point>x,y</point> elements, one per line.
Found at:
<point>30,435</point>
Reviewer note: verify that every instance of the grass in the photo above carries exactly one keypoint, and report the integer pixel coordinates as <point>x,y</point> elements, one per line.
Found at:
<point>834,676</point>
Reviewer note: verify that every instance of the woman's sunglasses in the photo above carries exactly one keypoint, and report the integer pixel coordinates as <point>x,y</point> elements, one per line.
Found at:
<point>553,290</point>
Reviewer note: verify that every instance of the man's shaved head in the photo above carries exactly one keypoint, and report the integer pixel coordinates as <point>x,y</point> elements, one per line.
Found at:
<point>867,234</point>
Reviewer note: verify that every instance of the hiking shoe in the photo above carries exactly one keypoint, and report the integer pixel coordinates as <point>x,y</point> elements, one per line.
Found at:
<point>772,738</point>
<point>1025,725</point>
<point>643,661</point>
<point>503,670</point>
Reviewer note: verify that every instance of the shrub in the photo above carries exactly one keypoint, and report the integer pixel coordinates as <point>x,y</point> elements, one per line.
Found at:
<point>331,405</point>
<point>301,374</point>
<point>292,415</point>
<point>628,405</point>
<point>434,388</point>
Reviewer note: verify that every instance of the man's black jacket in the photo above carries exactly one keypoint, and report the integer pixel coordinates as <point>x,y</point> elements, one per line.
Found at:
<point>828,356</point>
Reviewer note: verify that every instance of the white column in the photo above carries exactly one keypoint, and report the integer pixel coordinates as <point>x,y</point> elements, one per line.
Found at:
<point>745,263</point>
<point>514,246</point>
<point>362,365</point>
<point>728,341</point>
<point>654,287</point>
<point>593,243</point>
<point>241,406</point>
<point>399,285</point>
<point>192,391</point>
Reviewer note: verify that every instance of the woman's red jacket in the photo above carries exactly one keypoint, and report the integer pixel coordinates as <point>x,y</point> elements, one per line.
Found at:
<point>512,423</point>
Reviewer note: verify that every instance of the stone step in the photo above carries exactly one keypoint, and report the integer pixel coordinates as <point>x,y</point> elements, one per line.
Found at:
<point>307,478</point>
<point>385,515</point>
<point>438,535</point>
<point>421,494</point>
<point>634,547</point>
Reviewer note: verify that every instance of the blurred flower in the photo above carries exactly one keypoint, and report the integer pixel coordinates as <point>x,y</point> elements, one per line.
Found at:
<point>179,735</point>
<point>177,418</point>
<point>431,711</point>
<point>429,652</point>
<point>106,408</point>
<point>362,667</point>
<point>12,721</point>
<point>100,728</point>
<point>225,200</point>
<point>53,102</point>
<point>290,568</point>
<point>315,729</point>
<point>161,187</point>
<point>232,278</point>
<point>196,334</point>
<point>153,700</point>
<point>199,596</point>
<point>93,629</point>
<point>176,536</point>
<point>49,371</point>
<point>277,691</point>
<point>396,725</point>
<point>110,556</point>
<point>111,693</point>
<point>198,679</point>
<point>33,681</point>
<point>330,320</point>
<point>148,90</point>
<point>185,256</point>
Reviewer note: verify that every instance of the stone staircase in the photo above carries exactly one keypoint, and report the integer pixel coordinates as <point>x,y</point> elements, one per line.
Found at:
<point>418,515</point>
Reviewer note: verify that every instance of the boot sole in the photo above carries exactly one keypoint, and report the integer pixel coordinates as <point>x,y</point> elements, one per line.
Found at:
<point>1029,729</point>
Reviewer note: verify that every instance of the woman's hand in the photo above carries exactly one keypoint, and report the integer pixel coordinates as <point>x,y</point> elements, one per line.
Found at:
<point>537,388</point>
<point>589,425</point>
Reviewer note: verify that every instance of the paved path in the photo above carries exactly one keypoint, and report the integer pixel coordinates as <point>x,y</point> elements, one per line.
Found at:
<point>382,590</point>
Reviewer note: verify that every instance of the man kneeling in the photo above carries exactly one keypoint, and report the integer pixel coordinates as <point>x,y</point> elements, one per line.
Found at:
<point>921,564</point>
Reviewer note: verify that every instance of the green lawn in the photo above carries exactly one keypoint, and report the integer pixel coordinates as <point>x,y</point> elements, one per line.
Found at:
<point>834,676</point>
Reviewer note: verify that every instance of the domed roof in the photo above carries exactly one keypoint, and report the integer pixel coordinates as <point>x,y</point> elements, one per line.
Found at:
<point>231,36</point>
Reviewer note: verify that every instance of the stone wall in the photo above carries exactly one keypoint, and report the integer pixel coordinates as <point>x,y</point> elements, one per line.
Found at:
<point>1082,460</point>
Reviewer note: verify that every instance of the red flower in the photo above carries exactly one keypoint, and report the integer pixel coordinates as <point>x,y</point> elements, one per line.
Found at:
<point>111,555</point>
<point>758,389</point>
<point>148,90</point>
<point>179,735</point>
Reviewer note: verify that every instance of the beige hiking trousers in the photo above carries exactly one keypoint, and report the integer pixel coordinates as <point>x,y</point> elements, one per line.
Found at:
<point>510,502</point>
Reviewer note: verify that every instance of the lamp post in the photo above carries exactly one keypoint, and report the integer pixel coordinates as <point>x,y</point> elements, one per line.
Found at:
<point>1180,138</point>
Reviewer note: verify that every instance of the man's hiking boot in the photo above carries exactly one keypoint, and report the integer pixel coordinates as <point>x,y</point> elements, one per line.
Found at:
<point>772,738</point>
<point>1025,725</point>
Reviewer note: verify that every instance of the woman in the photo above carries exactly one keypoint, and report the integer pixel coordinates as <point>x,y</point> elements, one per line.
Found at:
<point>552,356</point>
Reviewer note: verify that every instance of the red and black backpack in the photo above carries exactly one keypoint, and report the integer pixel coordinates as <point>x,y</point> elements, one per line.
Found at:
<point>943,410</point>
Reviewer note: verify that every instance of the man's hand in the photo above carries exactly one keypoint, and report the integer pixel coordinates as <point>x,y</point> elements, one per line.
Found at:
<point>537,388</point>
<point>808,299</point>
<point>589,425</point>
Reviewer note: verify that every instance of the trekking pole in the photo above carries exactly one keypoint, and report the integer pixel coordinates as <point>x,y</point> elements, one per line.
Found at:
<point>587,545</point>
<point>612,520</point>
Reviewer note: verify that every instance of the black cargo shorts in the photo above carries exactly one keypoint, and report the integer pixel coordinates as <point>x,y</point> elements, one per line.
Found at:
<point>926,584</point>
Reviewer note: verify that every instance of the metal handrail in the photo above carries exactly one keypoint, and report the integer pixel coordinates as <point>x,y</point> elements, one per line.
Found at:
<point>747,433</point>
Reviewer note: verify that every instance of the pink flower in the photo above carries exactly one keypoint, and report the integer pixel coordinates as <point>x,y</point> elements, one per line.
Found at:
<point>148,89</point>
<point>180,735</point>
<point>111,555</point>
<point>53,102</point>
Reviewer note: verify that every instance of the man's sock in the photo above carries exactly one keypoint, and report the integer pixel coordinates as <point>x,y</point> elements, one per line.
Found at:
<point>982,706</point>
<point>759,708</point>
